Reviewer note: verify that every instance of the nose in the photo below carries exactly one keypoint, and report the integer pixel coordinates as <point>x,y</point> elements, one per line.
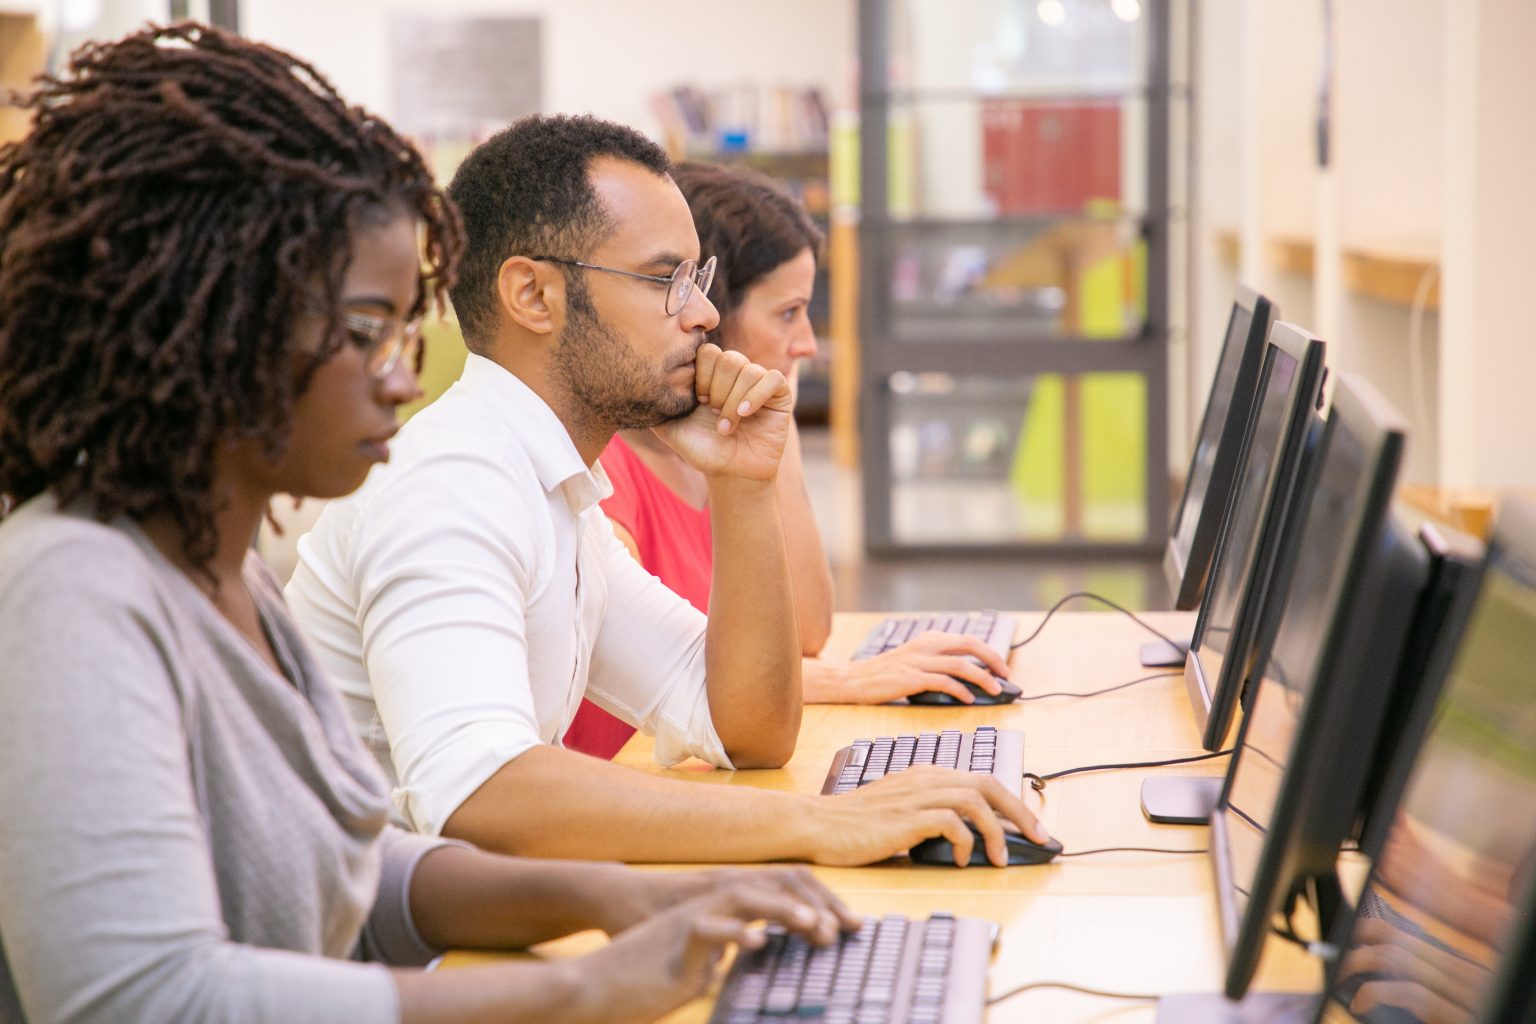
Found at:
<point>698,313</point>
<point>400,385</point>
<point>803,345</point>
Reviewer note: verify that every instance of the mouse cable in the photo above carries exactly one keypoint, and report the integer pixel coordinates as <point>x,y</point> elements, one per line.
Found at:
<point>1139,996</point>
<point>1039,781</point>
<point>1102,600</point>
<point>1325,950</point>
<point>1108,689</point>
<point>1128,849</point>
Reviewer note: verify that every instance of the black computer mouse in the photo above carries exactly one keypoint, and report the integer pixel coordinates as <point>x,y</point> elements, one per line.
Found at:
<point>1021,850</point>
<point>1007,695</point>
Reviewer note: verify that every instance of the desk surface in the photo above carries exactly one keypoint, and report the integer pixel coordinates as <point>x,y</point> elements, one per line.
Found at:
<point>1128,922</point>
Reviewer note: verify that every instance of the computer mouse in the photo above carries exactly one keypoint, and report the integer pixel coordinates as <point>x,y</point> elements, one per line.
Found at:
<point>1021,850</point>
<point>1007,695</point>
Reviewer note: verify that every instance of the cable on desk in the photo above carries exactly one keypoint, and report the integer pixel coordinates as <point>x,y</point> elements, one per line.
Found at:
<point>1129,849</point>
<point>1038,781</point>
<point>1102,600</point>
<point>1138,996</point>
<point>1110,689</point>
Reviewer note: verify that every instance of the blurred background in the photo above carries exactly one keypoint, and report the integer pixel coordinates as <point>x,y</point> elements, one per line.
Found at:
<point>1037,214</point>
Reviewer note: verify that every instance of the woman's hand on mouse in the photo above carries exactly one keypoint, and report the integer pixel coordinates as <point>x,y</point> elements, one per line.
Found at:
<point>929,661</point>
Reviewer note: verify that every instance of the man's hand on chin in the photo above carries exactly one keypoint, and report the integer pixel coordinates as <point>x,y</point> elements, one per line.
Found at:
<point>742,421</point>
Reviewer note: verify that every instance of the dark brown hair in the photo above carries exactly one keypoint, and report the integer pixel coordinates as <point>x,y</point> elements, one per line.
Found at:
<point>182,196</point>
<point>527,191</point>
<point>747,222</point>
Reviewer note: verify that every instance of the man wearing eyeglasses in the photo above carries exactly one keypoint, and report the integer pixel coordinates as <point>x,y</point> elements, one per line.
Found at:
<point>471,593</point>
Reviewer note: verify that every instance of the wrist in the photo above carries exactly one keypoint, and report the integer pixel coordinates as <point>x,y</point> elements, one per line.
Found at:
<point>600,899</point>
<point>727,487</point>
<point>827,682</point>
<point>813,823</point>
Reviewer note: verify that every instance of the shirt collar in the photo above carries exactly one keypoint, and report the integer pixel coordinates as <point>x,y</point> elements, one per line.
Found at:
<point>555,460</point>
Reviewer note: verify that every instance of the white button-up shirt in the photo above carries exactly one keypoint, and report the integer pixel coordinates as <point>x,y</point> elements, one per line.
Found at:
<point>471,593</point>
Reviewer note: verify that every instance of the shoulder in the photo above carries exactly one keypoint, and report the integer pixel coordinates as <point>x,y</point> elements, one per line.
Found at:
<point>41,544</point>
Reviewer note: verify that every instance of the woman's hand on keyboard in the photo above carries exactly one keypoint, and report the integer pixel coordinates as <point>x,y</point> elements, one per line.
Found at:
<point>929,661</point>
<point>893,814</point>
<point>671,958</point>
<point>631,897</point>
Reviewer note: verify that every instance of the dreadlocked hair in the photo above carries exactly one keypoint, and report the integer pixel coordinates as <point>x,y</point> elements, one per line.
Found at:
<point>183,195</point>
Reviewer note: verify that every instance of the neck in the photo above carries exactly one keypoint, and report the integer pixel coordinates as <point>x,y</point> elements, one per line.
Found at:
<point>527,360</point>
<point>235,522</point>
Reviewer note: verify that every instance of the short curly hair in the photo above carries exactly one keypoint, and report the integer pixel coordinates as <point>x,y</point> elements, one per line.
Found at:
<point>747,222</point>
<point>182,196</point>
<point>526,191</point>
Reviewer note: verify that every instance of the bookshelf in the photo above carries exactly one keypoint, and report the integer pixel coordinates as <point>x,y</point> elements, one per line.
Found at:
<point>1016,235</point>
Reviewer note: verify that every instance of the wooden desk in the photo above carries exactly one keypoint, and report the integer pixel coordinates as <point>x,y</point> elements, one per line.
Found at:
<point>1129,922</point>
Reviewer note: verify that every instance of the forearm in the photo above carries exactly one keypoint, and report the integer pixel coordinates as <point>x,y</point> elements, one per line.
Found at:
<point>510,993</point>
<point>810,575</point>
<point>752,648</point>
<point>470,899</point>
<point>551,802</point>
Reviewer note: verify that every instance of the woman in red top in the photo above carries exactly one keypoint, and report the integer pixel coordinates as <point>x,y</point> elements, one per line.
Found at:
<point>767,248</point>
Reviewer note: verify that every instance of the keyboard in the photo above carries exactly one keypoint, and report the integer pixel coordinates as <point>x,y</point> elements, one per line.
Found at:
<point>894,970</point>
<point>991,628</point>
<point>986,751</point>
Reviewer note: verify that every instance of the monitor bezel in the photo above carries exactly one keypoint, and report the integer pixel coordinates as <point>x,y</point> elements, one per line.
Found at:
<point>1314,809</point>
<point>1187,571</point>
<point>1215,703</point>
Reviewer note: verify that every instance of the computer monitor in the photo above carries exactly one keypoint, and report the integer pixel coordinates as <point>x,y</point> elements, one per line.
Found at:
<point>1445,929</point>
<point>1222,647</point>
<point>1196,524</point>
<point>1330,649</point>
<point>1283,431</point>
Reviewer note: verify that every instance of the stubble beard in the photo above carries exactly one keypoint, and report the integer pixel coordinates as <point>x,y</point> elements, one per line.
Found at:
<point>594,364</point>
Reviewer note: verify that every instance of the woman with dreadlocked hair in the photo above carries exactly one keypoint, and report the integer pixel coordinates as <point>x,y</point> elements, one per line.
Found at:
<point>211,274</point>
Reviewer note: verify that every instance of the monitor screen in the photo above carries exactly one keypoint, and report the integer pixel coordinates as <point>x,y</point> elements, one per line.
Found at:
<point>1208,486</point>
<point>1444,929</point>
<point>1330,651</point>
<point>1266,480</point>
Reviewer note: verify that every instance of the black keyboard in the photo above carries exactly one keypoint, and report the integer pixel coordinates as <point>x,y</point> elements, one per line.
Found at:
<point>986,751</point>
<point>894,970</point>
<point>991,628</point>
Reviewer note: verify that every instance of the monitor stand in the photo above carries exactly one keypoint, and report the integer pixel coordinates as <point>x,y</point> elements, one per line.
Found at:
<point>1256,1008</point>
<point>1161,654</point>
<point>1180,800</point>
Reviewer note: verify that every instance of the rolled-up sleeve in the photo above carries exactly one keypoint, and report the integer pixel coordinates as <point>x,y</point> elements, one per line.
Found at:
<point>648,663</point>
<point>390,934</point>
<point>441,602</point>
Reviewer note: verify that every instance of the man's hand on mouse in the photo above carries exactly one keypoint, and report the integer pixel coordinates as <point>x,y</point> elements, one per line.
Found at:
<point>892,815</point>
<point>929,661</point>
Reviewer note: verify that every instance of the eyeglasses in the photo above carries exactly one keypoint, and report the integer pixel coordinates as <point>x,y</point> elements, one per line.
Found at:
<point>685,277</point>
<point>385,341</point>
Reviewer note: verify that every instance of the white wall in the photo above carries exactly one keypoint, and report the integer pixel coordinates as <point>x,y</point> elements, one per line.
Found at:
<point>1434,157</point>
<point>1489,364</point>
<point>604,57</point>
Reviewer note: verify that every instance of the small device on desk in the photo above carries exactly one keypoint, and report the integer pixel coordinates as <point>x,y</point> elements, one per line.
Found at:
<point>893,970</point>
<point>991,628</point>
<point>986,751</point>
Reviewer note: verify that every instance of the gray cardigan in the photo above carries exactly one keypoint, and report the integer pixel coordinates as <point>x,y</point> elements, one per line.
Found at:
<point>185,835</point>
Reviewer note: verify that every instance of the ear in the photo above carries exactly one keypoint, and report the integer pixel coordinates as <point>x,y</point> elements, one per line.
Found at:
<point>530,295</point>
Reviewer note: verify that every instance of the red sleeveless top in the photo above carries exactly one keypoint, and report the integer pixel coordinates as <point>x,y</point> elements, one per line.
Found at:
<point>675,546</point>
